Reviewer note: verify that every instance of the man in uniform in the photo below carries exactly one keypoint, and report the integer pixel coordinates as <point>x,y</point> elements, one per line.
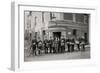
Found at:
<point>53,45</point>
<point>34,45</point>
<point>39,46</point>
<point>62,44</point>
<point>72,44</point>
<point>46,45</point>
<point>68,44</point>
<point>83,44</point>
<point>59,45</point>
<point>50,44</point>
<point>78,44</point>
<point>56,45</point>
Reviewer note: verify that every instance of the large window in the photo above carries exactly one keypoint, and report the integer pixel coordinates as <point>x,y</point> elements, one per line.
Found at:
<point>86,18</point>
<point>68,16</point>
<point>80,18</point>
<point>52,16</point>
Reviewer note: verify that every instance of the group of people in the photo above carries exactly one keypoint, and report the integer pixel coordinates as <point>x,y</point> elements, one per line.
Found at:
<point>56,45</point>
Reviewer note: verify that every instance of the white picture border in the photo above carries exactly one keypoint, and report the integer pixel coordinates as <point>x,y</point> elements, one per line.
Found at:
<point>17,60</point>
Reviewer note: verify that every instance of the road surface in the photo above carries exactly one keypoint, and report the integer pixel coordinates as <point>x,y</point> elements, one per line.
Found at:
<point>63,56</point>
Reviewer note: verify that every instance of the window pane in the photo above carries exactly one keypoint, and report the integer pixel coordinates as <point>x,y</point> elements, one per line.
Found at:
<point>68,16</point>
<point>79,17</point>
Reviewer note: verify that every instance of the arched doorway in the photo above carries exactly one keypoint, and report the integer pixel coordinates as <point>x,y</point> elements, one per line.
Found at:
<point>57,35</point>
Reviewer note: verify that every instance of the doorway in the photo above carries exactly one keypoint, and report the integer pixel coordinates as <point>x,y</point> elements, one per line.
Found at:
<point>57,35</point>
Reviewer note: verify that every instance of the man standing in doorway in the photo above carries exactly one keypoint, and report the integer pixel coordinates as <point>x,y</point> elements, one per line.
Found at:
<point>62,44</point>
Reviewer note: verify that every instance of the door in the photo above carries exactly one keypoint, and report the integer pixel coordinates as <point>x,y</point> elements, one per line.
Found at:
<point>57,35</point>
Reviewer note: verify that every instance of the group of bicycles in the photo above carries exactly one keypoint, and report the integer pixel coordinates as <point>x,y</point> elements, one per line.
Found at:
<point>55,46</point>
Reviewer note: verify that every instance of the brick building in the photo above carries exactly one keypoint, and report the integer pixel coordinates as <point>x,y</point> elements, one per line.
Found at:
<point>56,24</point>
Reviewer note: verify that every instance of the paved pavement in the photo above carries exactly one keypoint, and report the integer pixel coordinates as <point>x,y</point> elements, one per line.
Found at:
<point>62,56</point>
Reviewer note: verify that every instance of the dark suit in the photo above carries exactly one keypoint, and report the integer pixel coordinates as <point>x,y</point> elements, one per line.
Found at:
<point>46,46</point>
<point>50,45</point>
<point>68,44</point>
<point>72,45</point>
<point>62,45</point>
<point>39,46</point>
<point>34,44</point>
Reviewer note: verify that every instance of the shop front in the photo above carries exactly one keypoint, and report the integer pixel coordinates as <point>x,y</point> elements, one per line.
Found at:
<point>68,30</point>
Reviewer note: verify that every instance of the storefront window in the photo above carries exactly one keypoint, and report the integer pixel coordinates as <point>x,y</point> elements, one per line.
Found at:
<point>68,16</point>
